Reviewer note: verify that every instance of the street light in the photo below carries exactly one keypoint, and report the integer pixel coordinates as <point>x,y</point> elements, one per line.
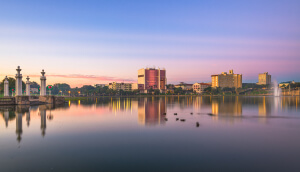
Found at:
<point>69,93</point>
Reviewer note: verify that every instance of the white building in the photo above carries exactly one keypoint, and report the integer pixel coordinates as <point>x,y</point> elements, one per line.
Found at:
<point>34,90</point>
<point>120,86</point>
<point>184,86</point>
<point>199,87</point>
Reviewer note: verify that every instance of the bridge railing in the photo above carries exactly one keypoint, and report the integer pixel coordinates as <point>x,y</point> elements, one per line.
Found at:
<point>7,101</point>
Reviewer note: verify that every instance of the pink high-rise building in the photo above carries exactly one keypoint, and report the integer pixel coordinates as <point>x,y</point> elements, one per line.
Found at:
<point>152,78</point>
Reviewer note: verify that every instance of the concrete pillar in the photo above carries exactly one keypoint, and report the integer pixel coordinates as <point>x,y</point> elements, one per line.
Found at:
<point>27,86</point>
<point>18,82</point>
<point>43,84</point>
<point>6,87</point>
<point>43,122</point>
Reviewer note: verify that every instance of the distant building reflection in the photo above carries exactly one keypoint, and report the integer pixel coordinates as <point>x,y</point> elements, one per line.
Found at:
<point>288,102</point>
<point>264,107</point>
<point>120,104</point>
<point>226,107</point>
<point>150,111</point>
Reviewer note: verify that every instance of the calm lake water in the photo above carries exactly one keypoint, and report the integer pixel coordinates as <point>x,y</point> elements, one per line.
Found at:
<point>133,134</point>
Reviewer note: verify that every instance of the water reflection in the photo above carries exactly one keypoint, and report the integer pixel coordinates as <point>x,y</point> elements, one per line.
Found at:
<point>8,113</point>
<point>115,127</point>
<point>19,129</point>
<point>264,107</point>
<point>20,111</point>
<point>17,113</point>
<point>28,118</point>
<point>119,104</point>
<point>43,121</point>
<point>151,110</point>
<point>226,107</point>
<point>6,117</point>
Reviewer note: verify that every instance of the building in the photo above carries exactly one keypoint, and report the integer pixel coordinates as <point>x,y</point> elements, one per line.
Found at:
<point>120,86</point>
<point>34,90</point>
<point>199,87</point>
<point>224,79</point>
<point>134,86</point>
<point>184,86</point>
<point>151,78</point>
<point>286,84</point>
<point>264,79</point>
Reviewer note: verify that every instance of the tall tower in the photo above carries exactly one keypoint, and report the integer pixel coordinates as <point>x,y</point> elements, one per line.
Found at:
<point>43,83</point>
<point>151,78</point>
<point>18,82</point>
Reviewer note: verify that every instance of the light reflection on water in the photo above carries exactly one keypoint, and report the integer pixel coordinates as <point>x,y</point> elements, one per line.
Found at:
<point>240,129</point>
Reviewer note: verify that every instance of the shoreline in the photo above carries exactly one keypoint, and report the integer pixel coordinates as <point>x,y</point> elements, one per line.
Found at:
<point>144,96</point>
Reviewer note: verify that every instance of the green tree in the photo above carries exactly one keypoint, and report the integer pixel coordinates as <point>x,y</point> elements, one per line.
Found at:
<point>170,86</point>
<point>12,84</point>
<point>151,90</point>
<point>215,91</point>
<point>228,89</point>
<point>122,92</point>
<point>178,90</point>
<point>55,90</point>
<point>208,89</point>
<point>156,92</point>
<point>63,87</point>
<point>34,85</point>
<point>295,85</point>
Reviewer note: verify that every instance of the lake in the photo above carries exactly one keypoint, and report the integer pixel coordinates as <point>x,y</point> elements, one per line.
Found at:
<point>143,134</point>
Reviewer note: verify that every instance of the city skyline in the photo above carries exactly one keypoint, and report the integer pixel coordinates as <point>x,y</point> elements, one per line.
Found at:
<point>93,43</point>
<point>38,81</point>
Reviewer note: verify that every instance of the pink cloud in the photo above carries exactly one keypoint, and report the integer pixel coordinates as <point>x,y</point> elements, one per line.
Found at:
<point>91,77</point>
<point>77,80</point>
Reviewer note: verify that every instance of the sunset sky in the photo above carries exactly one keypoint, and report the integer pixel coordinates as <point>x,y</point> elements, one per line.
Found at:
<point>100,41</point>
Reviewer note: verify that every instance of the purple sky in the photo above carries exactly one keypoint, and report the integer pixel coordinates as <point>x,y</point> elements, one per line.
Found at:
<point>90,42</point>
